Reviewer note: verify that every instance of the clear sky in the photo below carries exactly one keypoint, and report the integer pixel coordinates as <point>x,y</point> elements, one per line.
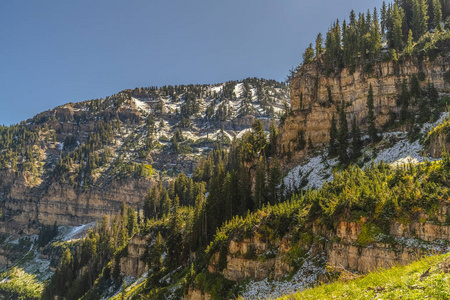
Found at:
<point>54,52</point>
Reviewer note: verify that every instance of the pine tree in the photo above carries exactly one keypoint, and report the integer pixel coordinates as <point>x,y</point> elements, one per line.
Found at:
<point>174,235</point>
<point>274,181</point>
<point>356,140</point>
<point>437,15</point>
<point>375,36</point>
<point>383,17</point>
<point>175,145</point>
<point>420,18</point>
<point>410,44</point>
<point>273,135</point>
<point>433,94</point>
<point>229,194</point>
<point>332,150</point>
<point>258,136</point>
<point>343,135</point>
<point>416,91</point>
<point>319,47</point>
<point>403,101</point>
<point>308,55</point>
<point>373,134</point>
<point>260,184</point>
<point>157,253</point>
<point>397,31</point>
<point>330,97</point>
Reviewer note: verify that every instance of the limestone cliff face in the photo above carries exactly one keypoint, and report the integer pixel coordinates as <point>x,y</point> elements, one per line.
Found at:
<point>132,264</point>
<point>312,110</point>
<point>437,143</point>
<point>241,267</point>
<point>23,206</point>
<point>340,248</point>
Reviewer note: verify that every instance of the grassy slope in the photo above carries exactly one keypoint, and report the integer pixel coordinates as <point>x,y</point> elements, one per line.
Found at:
<point>424,279</point>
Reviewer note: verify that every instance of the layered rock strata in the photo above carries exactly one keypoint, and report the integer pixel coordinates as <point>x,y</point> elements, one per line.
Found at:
<point>312,109</point>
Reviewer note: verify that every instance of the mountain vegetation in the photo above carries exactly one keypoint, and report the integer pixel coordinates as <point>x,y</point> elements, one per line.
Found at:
<point>214,168</point>
<point>423,279</point>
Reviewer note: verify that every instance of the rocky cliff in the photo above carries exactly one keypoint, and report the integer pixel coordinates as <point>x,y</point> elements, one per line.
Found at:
<point>254,258</point>
<point>312,109</point>
<point>132,264</point>
<point>63,204</point>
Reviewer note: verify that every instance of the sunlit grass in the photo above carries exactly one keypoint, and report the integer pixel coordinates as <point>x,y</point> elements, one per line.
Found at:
<point>425,279</point>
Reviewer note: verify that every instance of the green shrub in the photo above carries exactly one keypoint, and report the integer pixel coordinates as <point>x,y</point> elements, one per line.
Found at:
<point>369,234</point>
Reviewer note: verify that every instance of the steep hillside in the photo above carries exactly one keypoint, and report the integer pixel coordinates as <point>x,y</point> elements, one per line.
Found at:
<point>79,161</point>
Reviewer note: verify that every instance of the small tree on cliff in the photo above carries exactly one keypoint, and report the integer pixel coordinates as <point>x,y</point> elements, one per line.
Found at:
<point>332,150</point>
<point>373,134</point>
<point>319,44</point>
<point>420,18</point>
<point>343,135</point>
<point>437,14</point>
<point>308,55</point>
<point>403,101</point>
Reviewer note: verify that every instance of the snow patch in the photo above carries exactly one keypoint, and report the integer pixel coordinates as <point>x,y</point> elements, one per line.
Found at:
<point>141,105</point>
<point>306,276</point>
<point>78,231</point>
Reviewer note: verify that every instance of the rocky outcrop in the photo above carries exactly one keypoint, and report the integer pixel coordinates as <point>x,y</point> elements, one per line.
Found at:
<point>312,109</point>
<point>246,259</point>
<point>23,206</point>
<point>411,239</point>
<point>366,259</point>
<point>437,143</point>
<point>342,248</point>
<point>132,264</point>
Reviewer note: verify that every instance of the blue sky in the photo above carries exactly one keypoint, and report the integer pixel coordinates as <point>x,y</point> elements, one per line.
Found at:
<point>54,52</point>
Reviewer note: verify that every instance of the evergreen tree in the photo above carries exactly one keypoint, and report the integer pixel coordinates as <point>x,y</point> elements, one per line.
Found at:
<point>174,236</point>
<point>356,140</point>
<point>214,203</point>
<point>416,91</point>
<point>258,135</point>
<point>433,94</point>
<point>229,195</point>
<point>397,31</point>
<point>343,135</point>
<point>166,203</point>
<point>332,150</point>
<point>383,17</point>
<point>403,101</point>
<point>155,261</point>
<point>375,36</point>
<point>175,145</point>
<point>373,134</point>
<point>410,44</point>
<point>420,18</point>
<point>424,110</point>
<point>273,135</point>
<point>260,184</point>
<point>308,55</point>
<point>275,177</point>
<point>437,15</point>
<point>319,43</point>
